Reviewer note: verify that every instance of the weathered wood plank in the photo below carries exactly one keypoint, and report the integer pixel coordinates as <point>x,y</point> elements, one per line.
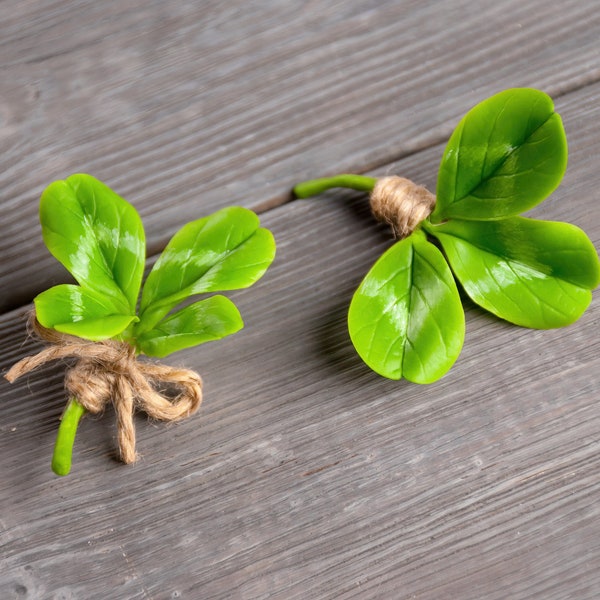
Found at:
<point>307,476</point>
<point>184,107</point>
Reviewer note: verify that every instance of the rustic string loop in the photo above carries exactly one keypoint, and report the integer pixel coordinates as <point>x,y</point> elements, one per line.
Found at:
<point>401,203</point>
<point>109,372</point>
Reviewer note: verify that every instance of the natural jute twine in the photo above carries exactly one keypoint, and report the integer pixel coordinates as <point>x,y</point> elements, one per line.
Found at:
<point>108,371</point>
<point>401,203</point>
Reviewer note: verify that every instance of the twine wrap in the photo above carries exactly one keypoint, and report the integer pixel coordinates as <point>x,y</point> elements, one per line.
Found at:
<point>401,203</point>
<point>108,371</point>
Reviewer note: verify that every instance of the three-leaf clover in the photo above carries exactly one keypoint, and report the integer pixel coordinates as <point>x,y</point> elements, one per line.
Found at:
<point>99,238</point>
<point>505,156</point>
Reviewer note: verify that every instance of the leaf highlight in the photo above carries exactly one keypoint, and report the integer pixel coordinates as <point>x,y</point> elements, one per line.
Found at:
<point>506,155</point>
<point>406,318</point>
<point>536,274</point>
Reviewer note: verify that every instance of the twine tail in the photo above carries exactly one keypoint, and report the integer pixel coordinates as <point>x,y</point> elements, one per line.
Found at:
<point>30,363</point>
<point>124,406</point>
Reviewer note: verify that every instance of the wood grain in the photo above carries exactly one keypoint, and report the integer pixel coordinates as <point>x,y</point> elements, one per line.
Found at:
<point>184,107</point>
<point>305,475</point>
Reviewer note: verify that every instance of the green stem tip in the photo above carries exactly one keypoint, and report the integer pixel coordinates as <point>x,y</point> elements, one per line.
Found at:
<point>65,438</point>
<point>306,189</point>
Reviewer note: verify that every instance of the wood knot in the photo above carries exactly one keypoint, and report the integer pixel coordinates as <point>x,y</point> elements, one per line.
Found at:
<point>401,204</point>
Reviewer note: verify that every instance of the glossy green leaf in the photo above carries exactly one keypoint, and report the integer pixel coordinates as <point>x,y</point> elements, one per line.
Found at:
<point>406,318</point>
<point>77,311</point>
<point>224,251</point>
<point>533,273</point>
<point>96,235</point>
<point>203,321</point>
<point>506,155</point>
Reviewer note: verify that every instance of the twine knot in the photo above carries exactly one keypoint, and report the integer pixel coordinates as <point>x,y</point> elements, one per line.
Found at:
<point>401,203</point>
<point>109,372</point>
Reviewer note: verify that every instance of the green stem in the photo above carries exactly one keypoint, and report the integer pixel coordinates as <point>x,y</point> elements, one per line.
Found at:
<point>306,189</point>
<point>65,438</point>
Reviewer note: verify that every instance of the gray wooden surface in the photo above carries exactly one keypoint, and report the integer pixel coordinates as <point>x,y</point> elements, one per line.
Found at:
<point>304,475</point>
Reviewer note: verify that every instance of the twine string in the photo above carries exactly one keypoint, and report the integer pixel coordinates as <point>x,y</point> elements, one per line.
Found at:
<point>108,372</point>
<point>401,204</point>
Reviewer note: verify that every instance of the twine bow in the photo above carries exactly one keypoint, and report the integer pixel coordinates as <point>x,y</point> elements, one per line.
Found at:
<point>108,371</point>
<point>401,203</point>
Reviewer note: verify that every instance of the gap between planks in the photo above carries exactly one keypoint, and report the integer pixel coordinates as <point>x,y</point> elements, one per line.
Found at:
<point>285,197</point>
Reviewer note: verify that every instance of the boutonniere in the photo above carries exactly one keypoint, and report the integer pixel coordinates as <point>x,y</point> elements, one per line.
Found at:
<point>107,320</point>
<point>505,156</point>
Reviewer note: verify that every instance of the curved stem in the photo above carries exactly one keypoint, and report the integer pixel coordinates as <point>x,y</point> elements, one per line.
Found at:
<point>63,448</point>
<point>317,186</point>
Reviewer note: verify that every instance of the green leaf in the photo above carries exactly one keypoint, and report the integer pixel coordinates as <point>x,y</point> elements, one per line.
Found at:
<point>533,273</point>
<point>203,321</point>
<point>224,251</point>
<point>96,235</point>
<point>77,311</point>
<point>406,318</point>
<point>506,155</point>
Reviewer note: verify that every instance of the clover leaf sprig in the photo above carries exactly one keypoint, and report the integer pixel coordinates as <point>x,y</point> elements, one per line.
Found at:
<point>99,238</point>
<point>506,155</point>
